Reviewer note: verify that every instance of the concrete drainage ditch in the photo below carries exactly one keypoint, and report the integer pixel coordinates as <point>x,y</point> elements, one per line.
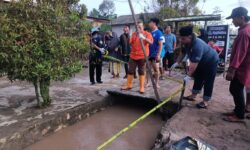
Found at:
<point>114,113</point>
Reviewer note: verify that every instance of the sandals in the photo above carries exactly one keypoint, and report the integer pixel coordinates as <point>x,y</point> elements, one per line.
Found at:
<point>201,105</point>
<point>189,98</point>
<point>233,118</point>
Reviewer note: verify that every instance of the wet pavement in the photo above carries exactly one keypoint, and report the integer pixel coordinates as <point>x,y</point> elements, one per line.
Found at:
<point>89,133</point>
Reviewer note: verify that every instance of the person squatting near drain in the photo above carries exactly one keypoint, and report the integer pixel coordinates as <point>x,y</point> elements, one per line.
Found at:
<point>203,65</point>
<point>137,58</point>
<point>113,44</point>
<point>239,67</point>
<point>125,48</point>
<point>155,50</point>
<point>95,57</point>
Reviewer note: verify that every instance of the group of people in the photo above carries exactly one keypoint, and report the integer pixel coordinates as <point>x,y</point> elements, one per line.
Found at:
<point>203,60</point>
<point>158,48</point>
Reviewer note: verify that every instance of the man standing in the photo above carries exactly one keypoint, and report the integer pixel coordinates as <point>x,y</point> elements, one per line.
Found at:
<point>112,43</point>
<point>203,65</point>
<point>155,48</point>
<point>125,46</point>
<point>170,46</point>
<point>239,68</point>
<point>95,56</point>
<point>137,58</point>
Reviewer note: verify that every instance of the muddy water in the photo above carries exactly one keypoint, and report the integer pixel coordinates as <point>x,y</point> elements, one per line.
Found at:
<point>89,133</point>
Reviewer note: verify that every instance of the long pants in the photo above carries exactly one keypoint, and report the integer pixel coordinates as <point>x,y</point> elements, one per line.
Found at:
<point>237,90</point>
<point>133,64</point>
<point>205,77</point>
<point>126,59</point>
<point>95,67</point>
<point>115,68</point>
<point>170,57</point>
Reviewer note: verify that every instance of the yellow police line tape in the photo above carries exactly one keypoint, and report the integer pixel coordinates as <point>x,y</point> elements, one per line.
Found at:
<point>133,124</point>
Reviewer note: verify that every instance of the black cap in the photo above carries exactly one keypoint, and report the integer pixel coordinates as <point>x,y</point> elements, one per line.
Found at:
<point>238,12</point>
<point>186,31</point>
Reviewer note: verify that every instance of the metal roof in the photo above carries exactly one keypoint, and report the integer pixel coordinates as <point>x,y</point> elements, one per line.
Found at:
<point>104,20</point>
<point>195,18</point>
<point>128,19</point>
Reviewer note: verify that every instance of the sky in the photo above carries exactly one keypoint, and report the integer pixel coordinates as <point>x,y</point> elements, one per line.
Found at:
<point>122,7</point>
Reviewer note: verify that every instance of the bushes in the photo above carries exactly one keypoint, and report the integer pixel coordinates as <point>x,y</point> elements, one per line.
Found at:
<point>41,42</point>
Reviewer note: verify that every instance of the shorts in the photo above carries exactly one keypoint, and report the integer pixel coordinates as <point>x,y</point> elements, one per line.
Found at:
<point>133,64</point>
<point>153,59</point>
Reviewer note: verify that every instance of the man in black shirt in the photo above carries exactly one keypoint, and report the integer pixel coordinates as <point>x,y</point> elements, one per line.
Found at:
<point>125,47</point>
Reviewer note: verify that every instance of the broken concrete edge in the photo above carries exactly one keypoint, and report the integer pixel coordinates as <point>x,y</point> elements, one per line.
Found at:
<point>164,138</point>
<point>24,138</point>
<point>117,93</point>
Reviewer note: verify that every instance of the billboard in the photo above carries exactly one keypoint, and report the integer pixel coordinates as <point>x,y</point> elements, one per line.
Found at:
<point>220,34</point>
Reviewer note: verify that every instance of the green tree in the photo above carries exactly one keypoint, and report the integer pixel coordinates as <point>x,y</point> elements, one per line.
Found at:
<point>79,9</point>
<point>107,9</point>
<point>40,43</point>
<point>94,13</point>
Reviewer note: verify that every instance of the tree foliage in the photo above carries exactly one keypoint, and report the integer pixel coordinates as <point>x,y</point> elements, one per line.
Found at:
<point>40,43</point>
<point>94,13</point>
<point>164,9</point>
<point>107,9</point>
<point>216,11</point>
<point>178,7</point>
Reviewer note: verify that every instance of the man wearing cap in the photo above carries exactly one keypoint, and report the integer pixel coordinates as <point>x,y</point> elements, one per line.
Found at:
<point>95,56</point>
<point>239,68</point>
<point>203,65</point>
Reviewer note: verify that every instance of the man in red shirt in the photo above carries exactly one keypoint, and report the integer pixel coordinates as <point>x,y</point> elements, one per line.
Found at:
<point>239,68</point>
<point>137,57</point>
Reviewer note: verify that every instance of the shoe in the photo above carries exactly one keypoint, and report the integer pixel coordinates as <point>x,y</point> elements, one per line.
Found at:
<point>92,83</point>
<point>99,82</point>
<point>233,118</point>
<point>125,77</point>
<point>129,83</point>
<point>142,84</point>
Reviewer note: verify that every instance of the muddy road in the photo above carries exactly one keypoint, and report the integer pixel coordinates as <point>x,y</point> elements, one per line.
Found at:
<point>89,133</point>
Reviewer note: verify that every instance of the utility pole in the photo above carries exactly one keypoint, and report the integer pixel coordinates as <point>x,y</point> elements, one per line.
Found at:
<point>145,55</point>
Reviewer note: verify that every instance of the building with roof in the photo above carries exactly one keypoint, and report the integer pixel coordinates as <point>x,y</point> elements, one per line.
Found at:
<point>119,22</point>
<point>97,22</point>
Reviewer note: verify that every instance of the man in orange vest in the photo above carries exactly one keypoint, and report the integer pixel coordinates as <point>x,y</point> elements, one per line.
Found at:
<point>137,58</point>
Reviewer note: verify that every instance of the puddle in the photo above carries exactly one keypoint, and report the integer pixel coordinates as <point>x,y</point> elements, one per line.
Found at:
<point>89,133</point>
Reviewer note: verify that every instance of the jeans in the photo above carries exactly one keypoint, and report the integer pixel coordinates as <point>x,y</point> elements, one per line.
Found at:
<point>237,90</point>
<point>205,77</point>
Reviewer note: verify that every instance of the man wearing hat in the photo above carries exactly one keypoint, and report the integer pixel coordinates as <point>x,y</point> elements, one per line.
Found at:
<point>95,56</point>
<point>239,68</point>
<point>203,65</point>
